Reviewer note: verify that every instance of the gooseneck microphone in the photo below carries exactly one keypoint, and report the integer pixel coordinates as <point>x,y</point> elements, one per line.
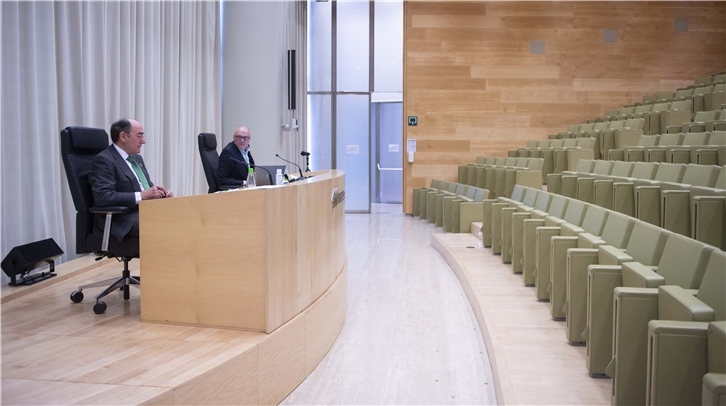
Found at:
<point>304,153</point>
<point>290,162</point>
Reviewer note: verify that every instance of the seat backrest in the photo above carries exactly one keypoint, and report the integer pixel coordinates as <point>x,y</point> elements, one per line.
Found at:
<point>703,116</point>
<point>543,143</point>
<point>584,165</point>
<point>480,194</point>
<point>500,160</point>
<point>443,185</point>
<point>530,196</point>
<point>480,160</point>
<point>642,109</point>
<point>460,189</point>
<point>696,138</point>
<point>470,192</point>
<point>717,138</point>
<point>79,145</point>
<point>670,139</point>
<point>452,187</point>
<point>535,163</point>
<point>557,143</point>
<point>610,113</point>
<point>650,98</point>
<point>543,201</point>
<point>573,127</point>
<point>683,93</point>
<point>602,167</point>
<point>646,243</point>
<point>571,142</point>
<point>665,95</point>
<point>586,142</point>
<point>701,175</point>
<point>210,159</point>
<point>635,123</point>
<point>680,105</point>
<point>617,229</point>
<point>670,172</point>
<point>616,124</point>
<point>622,169</point>
<point>575,212</point>
<point>587,127</point>
<point>660,107</point>
<point>714,279</point>
<point>510,161</point>
<point>702,90</point>
<point>490,160</point>
<point>594,220</point>
<point>517,193</point>
<point>435,183</point>
<point>558,206</point>
<point>684,261</point>
<point>648,140</point>
<point>644,170</point>
<point>531,143</point>
<point>521,162</point>
<point>626,110</point>
<point>721,180</point>
<point>603,125</point>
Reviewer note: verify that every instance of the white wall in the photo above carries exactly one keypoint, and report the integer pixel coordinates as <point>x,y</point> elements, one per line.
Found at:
<point>253,79</point>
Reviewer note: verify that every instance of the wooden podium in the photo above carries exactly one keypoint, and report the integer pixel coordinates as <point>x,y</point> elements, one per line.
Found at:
<point>247,259</point>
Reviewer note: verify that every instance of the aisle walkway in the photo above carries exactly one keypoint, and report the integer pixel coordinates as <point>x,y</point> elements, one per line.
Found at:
<point>410,336</point>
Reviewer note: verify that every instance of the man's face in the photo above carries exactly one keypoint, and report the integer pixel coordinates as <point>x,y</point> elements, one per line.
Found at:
<point>133,140</point>
<point>242,138</point>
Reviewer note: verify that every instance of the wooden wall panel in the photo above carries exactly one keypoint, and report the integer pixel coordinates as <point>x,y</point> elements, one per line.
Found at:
<point>477,90</point>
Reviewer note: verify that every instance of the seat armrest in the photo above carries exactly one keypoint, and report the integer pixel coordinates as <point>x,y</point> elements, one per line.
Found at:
<point>571,230</point>
<point>637,275</point>
<point>609,255</point>
<point>109,209</point>
<point>675,303</point>
<point>588,240</point>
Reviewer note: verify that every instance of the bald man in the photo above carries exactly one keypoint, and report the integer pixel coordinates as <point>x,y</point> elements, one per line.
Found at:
<point>235,159</point>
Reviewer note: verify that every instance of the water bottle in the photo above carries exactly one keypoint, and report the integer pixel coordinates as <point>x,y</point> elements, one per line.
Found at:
<point>278,177</point>
<point>251,182</point>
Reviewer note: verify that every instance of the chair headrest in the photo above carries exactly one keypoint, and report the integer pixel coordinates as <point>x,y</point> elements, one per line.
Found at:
<point>209,141</point>
<point>89,139</point>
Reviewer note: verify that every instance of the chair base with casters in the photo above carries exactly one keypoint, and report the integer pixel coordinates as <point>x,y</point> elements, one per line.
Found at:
<point>121,283</point>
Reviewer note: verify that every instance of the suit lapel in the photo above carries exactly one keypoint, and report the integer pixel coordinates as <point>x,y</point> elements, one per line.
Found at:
<point>121,163</point>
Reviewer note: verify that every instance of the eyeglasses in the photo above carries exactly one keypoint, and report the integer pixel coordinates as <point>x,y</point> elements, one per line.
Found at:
<point>241,137</point>
<point>140,135</point>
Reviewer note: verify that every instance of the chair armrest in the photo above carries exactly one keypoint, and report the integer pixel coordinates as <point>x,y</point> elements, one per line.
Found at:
<point>675,303</point>
<point>706,156</point>
<point>571,230</point>
<point>588,240</point>
<point>109,209</point>
<point>609,255</point>
<point>637,275</point>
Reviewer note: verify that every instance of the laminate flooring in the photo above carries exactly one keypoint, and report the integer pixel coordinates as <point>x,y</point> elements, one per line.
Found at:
<point>410,336</point>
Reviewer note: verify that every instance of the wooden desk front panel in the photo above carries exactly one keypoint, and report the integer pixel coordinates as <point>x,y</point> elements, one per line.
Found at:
<point>249,259</point>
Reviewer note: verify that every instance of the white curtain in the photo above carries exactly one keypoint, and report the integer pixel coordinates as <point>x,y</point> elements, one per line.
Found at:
<point>294,140</point>
<point>88,64</point>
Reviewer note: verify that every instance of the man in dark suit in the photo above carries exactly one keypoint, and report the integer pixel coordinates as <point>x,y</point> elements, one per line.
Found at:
<point>235,159</point>
<point>118,177</point>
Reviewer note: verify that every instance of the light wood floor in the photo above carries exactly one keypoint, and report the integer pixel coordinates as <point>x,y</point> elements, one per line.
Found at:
<point>530,356</point>
<point>410,336</point>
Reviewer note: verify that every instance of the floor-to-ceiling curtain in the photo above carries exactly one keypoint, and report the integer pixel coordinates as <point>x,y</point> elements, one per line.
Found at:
<point>88,64</point>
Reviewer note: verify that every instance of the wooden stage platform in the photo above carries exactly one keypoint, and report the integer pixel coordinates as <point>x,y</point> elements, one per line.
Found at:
<point>531,359</point>
<point>57,352</point>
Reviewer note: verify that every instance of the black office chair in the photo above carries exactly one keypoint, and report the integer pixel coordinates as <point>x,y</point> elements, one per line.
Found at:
<point>210,159</point>
<point>79,145</point>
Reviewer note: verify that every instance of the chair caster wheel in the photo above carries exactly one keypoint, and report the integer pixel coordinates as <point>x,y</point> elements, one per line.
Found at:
<point>99,307</point>
<point>77,297</point>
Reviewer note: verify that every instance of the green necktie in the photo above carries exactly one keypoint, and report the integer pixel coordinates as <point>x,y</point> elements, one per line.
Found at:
<point>139,172</point>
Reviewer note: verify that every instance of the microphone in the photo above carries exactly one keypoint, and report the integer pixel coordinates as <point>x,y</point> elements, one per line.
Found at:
<point>304,153</point>
<point>290,162</point>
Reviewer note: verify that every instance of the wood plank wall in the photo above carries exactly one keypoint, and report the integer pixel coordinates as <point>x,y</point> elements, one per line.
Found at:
<point>476,89</point>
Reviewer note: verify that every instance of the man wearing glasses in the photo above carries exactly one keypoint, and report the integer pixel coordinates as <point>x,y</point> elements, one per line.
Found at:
<point>118,177</point>
<point>235,160</point>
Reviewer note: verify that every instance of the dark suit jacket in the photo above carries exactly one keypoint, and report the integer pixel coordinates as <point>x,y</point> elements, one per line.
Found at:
<point>113,183</point>
<point>232,169</point>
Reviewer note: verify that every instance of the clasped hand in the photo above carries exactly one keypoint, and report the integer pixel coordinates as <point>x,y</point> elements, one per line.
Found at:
<point>156,192</point>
